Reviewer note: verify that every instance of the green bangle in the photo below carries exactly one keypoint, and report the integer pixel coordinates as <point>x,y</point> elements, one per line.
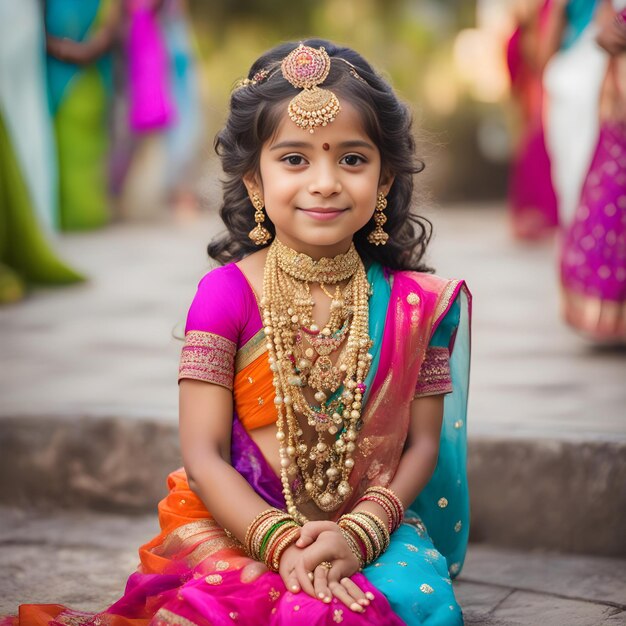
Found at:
<point>268,536</point>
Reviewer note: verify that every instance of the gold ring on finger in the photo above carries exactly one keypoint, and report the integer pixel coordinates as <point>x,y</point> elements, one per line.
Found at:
<point>326,564</point>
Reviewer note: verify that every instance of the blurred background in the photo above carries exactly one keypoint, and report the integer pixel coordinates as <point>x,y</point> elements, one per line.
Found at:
<point>110,191</point>
<point>447,59</point>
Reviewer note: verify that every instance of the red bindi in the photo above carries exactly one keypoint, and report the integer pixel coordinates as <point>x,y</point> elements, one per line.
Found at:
<point>325,146</point>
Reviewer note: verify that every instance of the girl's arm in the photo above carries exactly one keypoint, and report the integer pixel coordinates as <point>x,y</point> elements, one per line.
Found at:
<point>324,541</point>
<point>419,458</point>
<point>86,52</point>
<point>205,418</point>
<point>205,430</point>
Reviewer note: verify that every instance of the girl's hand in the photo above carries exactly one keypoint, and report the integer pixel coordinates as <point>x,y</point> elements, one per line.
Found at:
<point>293,572</point>
<point>324,543</point>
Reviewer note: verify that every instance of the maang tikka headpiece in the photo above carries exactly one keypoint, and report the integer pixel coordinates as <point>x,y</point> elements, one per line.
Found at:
<point>306,68</point>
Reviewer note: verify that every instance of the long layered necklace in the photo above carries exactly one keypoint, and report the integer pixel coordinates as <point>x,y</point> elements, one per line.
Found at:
<point>299,357</point>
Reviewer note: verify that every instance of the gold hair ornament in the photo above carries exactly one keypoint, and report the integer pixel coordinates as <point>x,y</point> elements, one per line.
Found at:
<point>259,77</point>
<point>306,68</point>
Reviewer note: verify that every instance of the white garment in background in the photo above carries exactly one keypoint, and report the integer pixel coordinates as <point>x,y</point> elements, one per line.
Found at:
<point>24,103</point>
<point>572,81</point>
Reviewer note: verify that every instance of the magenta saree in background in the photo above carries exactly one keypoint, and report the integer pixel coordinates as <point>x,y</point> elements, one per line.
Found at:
<point>593,256</point>
<point>192,573</point>
<point>532,200</point>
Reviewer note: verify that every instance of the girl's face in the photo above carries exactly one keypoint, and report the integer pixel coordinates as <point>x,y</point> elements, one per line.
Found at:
<point>319,188</point>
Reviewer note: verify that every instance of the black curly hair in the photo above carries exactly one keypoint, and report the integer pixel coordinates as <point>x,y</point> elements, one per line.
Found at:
<point>255,112</point>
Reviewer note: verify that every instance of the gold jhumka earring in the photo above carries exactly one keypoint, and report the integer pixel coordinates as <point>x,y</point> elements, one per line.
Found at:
<point>259,234</point>
<point>378,236</point>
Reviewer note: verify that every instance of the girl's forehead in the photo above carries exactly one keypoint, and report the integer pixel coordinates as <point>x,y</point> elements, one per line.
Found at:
<point>347,127</point>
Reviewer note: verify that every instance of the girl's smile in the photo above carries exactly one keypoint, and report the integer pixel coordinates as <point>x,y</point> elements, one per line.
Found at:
<point>321,213</point>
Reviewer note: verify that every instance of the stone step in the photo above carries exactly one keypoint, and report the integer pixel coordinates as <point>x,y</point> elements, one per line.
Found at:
<point>91,555</point>
<point>565,495</point>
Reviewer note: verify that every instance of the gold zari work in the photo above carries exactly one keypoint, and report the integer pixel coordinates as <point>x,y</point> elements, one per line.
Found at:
<point>208,357</point>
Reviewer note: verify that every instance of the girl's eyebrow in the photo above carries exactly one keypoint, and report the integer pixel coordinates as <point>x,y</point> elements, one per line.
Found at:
<point>355,143</point>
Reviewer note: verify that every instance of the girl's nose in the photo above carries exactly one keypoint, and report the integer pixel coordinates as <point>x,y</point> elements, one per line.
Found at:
<point>324,180</point>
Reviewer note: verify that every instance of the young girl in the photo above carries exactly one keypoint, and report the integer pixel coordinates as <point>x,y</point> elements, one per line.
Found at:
<point>324,476</point>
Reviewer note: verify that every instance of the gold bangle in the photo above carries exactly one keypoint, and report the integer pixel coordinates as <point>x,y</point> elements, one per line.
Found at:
<point>354,527</point>
<point>287,539</point>
<point>354,547</point>
<point>258,527</point>
<point>380,526</point>
<point>393,500</point>
<point>370,529</point>
<point>254,522</point>
<point>276,537</point>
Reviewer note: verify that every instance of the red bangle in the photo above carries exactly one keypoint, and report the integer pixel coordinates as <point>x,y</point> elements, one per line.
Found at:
<point>391,514</point>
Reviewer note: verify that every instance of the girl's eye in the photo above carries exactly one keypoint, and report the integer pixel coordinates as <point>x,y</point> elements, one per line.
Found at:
<point>353,159</point>
<point>294,159</point>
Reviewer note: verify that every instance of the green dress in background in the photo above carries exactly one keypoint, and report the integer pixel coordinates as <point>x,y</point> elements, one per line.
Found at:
<point>27,160</point>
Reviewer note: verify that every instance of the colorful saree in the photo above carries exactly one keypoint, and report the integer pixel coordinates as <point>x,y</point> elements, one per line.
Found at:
<point>193,573</point>
<point>532,201</point>
<point>151,107</point>
<point>78,98</point>
<point>593,254</point>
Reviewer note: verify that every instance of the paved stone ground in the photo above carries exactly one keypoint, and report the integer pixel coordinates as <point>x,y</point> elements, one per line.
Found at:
<point>108,347</point>
<point>83,559</point>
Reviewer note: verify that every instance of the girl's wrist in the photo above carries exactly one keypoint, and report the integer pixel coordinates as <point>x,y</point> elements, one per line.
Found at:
<point>269,534</point>
<point>366,534</point>
<point>384,503</point>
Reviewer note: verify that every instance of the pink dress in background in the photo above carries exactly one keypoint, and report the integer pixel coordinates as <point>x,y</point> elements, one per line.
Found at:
<point>151,106</point>
<point>532,200</point>
<point>593,256</point>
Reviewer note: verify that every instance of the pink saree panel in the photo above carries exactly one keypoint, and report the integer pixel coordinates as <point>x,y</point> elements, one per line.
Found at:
<point>532,199</point>
<point>593,255</point>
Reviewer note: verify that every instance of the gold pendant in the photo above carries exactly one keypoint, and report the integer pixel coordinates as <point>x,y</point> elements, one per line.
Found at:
<point>324,375</point>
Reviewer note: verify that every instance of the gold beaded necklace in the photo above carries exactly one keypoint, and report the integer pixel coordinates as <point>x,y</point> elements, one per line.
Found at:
<point>289,327</point>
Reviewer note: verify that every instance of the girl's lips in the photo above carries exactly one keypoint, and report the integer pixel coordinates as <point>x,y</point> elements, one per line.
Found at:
<point>322,215</point>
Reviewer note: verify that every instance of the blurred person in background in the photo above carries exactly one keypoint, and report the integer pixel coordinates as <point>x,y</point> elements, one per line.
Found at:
<point>185,136</point>
<point>80,34</point>
<point>573,69</point>
<point>532,201</point>
<point>28,198</point>
<point>593,257</point>
<point>161,141</point>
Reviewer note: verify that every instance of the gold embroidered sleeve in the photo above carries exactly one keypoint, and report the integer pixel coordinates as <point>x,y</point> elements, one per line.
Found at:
<point>208,357</point>
<point>434,375</point>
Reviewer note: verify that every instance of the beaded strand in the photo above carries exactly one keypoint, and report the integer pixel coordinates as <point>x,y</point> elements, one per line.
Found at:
<point>287,310</point>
